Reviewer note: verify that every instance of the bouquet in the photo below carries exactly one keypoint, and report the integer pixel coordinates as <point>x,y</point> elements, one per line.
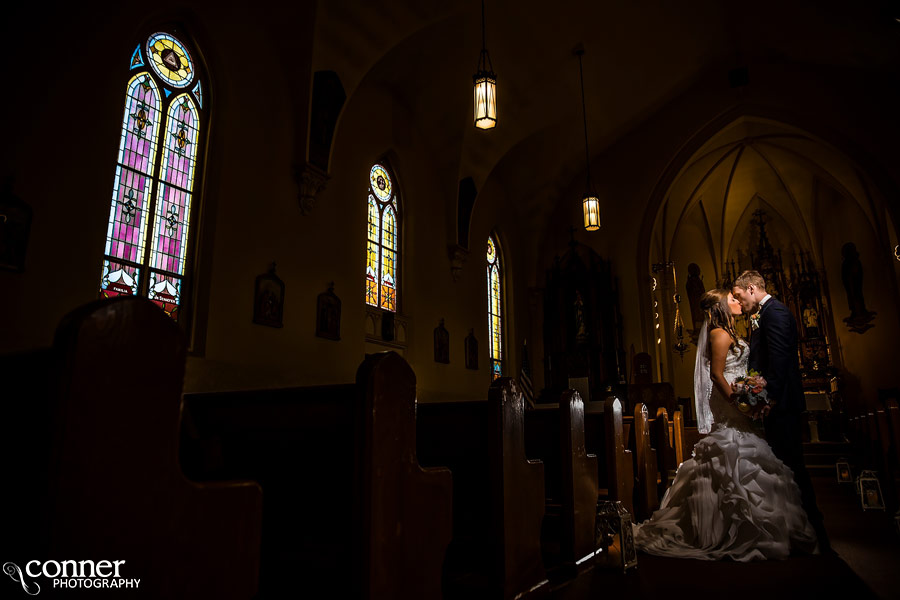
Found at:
<point>751,393</point>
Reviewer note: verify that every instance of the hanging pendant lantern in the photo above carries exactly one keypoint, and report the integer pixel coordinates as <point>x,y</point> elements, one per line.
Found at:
<point>590,204</point>
<point>485,93</point>
<point>591,207</point>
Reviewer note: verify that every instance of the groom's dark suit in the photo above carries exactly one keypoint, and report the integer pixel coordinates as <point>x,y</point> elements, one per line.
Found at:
<point>774,353</point>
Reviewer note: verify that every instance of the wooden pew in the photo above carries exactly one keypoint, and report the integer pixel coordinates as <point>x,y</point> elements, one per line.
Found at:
<point>646,466</point>
<point>605,436</point>
<point>116,489</point>
<point>690,436</point>
<point>871,440</point>
<point>556,436</point>
<point>678,437</point>
<point>893,416</point>
<point>668,453</point>
<point>349,510</point>
<point>654,396</point>
<point>579,482</point>
<point>888,467</point>
<point>498,494</point>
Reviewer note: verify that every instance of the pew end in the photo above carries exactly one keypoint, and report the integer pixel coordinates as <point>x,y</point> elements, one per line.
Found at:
<point>117,490</point>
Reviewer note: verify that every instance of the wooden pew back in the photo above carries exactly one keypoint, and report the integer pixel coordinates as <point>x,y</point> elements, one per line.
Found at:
<point>498,494</point>
<point>646,469</point>
<point>663,434</point>
<point>117,489</point>
<point>521,504</point>
<point>579,481</point>
<point>618,462</point>
<point>346,497</point>
<point>654,396</point>
<point>407,508</point>
<point>893,417</point>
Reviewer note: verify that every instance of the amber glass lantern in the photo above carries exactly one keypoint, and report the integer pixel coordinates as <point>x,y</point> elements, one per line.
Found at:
<point>591,207</point>
<point>485,94</point>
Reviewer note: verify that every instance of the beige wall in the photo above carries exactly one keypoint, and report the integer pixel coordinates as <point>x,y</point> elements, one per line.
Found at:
<point>251,214</point>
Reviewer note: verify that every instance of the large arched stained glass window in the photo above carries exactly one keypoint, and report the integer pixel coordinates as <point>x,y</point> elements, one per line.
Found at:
<point>150,215</point>
<point>383,240</point>
<point>495,315</point>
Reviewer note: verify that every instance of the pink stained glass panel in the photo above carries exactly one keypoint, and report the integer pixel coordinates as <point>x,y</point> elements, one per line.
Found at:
<point>173,197</point>
<point>170,229</point>
<point>140,124</point>
<point>180,143</point>
<point>128,216</point>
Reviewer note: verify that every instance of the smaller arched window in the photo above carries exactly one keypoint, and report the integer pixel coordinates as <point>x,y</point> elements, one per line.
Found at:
<point>383,240</point>
<point>495,315</point>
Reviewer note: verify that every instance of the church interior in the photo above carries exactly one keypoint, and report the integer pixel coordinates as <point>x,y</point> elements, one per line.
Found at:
<point>400,299</point>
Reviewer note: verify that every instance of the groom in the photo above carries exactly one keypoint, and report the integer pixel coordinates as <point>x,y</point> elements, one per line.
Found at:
<point>773,352</point>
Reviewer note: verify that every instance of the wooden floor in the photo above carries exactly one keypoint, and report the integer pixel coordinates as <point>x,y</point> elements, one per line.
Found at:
<point>866,564</point>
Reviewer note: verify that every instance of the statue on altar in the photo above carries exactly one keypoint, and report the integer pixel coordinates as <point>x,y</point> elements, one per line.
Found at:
<point>580,328</point>
<point>811,321</point>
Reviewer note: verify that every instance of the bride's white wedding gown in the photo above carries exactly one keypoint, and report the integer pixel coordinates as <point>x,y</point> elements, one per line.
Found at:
<point>734,499</point>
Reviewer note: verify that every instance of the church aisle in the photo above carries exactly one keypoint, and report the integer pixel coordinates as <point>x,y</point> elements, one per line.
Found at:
<point>866,540</point>
<point>865,566</point>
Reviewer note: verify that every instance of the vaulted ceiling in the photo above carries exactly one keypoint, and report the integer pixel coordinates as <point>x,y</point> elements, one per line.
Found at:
<point>758,164</point>
<point>640,56</point>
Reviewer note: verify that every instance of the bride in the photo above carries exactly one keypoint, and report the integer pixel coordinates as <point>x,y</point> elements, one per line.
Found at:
<point>734,499</point>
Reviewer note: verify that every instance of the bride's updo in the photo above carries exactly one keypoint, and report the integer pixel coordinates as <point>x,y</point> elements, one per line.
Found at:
<point>718,314</point>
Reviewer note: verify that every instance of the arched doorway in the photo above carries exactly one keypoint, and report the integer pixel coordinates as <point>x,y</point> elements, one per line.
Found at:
<point>757,193</point>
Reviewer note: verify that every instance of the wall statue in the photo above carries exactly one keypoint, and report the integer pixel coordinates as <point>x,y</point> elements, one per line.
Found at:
<point>695,289</point>
<point>860,317</point>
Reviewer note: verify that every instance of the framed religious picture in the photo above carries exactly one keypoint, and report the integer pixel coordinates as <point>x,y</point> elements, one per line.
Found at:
<point>268,300</point>
<point>441,344</point>
<point>328,315</point>
<point>471,351</point>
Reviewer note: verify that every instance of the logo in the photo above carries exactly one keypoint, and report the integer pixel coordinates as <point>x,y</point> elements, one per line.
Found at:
<point>70,574</point>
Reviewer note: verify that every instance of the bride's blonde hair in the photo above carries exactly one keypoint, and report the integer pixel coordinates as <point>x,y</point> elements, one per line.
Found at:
<point>718,315</point>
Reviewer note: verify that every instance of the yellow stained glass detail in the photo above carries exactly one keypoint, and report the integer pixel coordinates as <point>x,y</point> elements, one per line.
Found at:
<point>373,219</point>
<point>388,276</point>
<point>170,59</point>
<point>380,182</point>
<point>494,308</point>
<point>495,321</point>
<point>496,354</point>
<point>383,241</point>
<point>388,237</point>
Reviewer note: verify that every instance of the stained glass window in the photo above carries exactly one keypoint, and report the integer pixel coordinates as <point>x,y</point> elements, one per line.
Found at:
<point>382,241</point>
<point>495,317</point>
<point>150,214</point>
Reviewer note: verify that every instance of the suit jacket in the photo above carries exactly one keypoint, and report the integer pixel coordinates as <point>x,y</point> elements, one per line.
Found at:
<point>774,353</point>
